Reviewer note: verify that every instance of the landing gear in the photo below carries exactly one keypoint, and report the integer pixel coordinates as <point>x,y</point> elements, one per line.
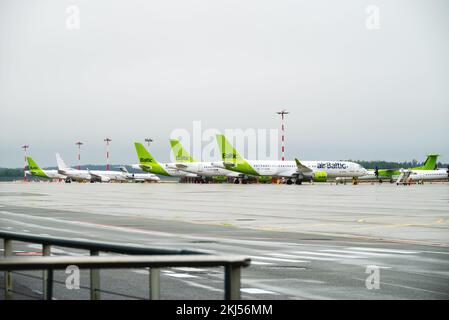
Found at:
<point>289,181</point>
<point>68,180</point>
<point>236,181</point>
<point>298,182</point>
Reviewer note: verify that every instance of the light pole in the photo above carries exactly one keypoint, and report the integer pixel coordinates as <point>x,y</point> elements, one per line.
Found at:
<point>107,140</point>
<point>282,113</point>
<point>148,141</point>
<point>25,147</point>
<point>79,144</point>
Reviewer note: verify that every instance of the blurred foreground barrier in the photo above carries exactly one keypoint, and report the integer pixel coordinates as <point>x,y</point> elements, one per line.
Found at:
<point>132,257</point>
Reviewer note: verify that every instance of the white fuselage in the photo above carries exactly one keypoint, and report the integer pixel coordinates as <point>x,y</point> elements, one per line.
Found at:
<point>142,177</point>
<point>288,169</point>
<point>206,169</point>
<point>92,175</point>
<point>425,175</point>
<point>170,168</point>
<point>53,174</point>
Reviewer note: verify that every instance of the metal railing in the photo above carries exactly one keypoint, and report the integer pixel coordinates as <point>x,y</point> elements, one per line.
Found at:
<point>138,257</point>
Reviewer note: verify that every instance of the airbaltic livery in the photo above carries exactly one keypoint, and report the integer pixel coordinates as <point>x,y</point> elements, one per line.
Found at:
<point>36,171</point>
<point>390,174</point>
<point>149,163</point>
<point>87,175</point>
<point>186,163</point>
<point>292,170</point>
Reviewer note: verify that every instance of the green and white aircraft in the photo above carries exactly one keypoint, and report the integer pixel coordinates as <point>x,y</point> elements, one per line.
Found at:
<point>296,171</point>
<point>186,163</point>
<point>392,174</point>
<point>149,164</point>
<point>36,171</point>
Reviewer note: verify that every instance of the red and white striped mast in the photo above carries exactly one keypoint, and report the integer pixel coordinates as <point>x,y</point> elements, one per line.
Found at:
<point>25,147</point>
<point>282,113</point>
<point>107,140</point>
<point>79,144</point>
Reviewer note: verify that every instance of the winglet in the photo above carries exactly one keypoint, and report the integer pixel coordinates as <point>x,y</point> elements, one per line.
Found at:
<point>123,169</point>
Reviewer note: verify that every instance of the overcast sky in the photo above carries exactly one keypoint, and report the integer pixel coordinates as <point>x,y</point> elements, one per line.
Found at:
<point>137,69</point>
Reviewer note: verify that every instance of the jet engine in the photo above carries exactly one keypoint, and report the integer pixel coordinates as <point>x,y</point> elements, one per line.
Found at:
<point>319,176</point>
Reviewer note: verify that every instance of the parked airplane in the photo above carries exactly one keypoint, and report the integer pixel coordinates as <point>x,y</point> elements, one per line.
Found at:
<point>292,170</point>
<point>411,176</point>
<point>186,163</point>
<point>139,177</point>
<point>87,175</point>
<point>36,171</point>
<point>149,164</point>
<point>391,174</point>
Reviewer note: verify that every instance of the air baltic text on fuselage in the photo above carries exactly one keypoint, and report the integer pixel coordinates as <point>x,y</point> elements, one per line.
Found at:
<point>331,165</point>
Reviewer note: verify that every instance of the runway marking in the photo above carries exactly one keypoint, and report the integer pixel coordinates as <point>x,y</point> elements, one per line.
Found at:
<point>261,263</point>
<point>329,255</point>
<point>187,269</point>
<point>435,252</point>
<point>202,286</point>
<point>277,259</point>
<point>181,275</point>
<point>384,250</point>
<point>256,291</point>
<point>407,287</point>
<point>281,255</point>
<point>145,272</point>
<point>359,252</point>
<point>54,250</point>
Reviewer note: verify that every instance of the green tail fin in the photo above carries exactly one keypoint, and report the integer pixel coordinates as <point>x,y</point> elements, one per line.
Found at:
<point>180,154</point>
<point>143,154</point>
<point>148,162</point>
<point>34,169</point>
<point>228,153</point>
<point>32,165</point>
<point>430,163</point>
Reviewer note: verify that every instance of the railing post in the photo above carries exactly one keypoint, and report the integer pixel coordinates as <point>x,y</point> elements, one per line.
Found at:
<point>94,279</point>
<point>7,247</point>
<point>155,288</point>
<point>49,285</point>
<point>46,284</point>
<point>232,282</point>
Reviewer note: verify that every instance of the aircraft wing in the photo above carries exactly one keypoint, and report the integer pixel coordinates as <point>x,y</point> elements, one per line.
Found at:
<point>99,177</point>
<point>95,175</point>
